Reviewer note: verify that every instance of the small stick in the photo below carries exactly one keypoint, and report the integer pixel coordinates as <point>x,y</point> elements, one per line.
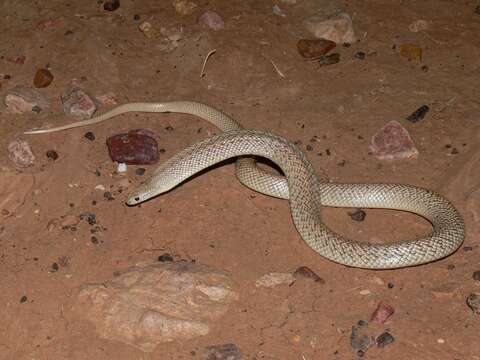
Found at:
<point>202,73</point>
<point>277,69</point>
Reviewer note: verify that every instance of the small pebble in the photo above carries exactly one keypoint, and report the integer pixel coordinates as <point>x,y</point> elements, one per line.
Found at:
<point>52,155</point>
<point>222,352</point>
<point>55,267</point>
<point>136,17</point>
<point>477,10</point>
<point>384,339</point>
<point>90,218</point>
<point>306,272</point>
<point>418,25</point>
<point>18,60</point>
<point>140,171</point>
<point>418,114</point>
<point>450,267</point>
<point>467,248</point>
<point>94,240</point>
<point>89,135</point>
<point>108,195</point>
<point>382,313</point>
<point>476,275</point>
<point>359,337</point>
<point>328,59</point>
<point>121,168</point>
<point>42,78</point>
<point>69,221</point>
<point>393,142</point>
<point>390,285</point>
<point>20,152</point>
<point>313,49</point>
<point>147,29</point>
<point>111,5</point>
<point>211,20</point>
<point>473,302</point>
<point>338,29</point>
<point>360,55</point>
<point>274,279</point>
<point>357,215</point>
<point>277,10</point>
<point>184,7</point>
<point>23,299</point>
<point>165,258</point>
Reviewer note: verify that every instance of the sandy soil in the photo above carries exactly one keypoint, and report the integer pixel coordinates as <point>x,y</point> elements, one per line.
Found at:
<point>213,219</point>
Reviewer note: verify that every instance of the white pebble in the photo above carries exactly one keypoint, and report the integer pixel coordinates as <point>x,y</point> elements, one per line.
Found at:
<point>121,168</point>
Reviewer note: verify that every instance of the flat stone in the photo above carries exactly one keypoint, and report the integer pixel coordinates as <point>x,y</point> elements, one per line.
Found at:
<point>156,303</point>
<point>21,99</point>
<point>337,28</point>
<point>393,142</point>
<point>20,152</point>
<point>136,147</point>
<point>76,102</point>
<point>274,279</point>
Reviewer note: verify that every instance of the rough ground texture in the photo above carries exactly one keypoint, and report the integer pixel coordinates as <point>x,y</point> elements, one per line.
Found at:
<point>151,304</point>
<point>212,218</point>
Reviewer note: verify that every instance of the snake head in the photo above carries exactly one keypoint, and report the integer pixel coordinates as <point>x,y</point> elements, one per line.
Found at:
<point>139,196</point>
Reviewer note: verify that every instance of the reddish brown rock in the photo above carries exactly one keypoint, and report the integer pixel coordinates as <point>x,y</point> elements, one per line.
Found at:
<point>136,147</point>
<point>76,102</point>
<point>393,142</point>
<point>20,152</point>
<point>382,313</point>
<point>42,78</point>
<point>311,49</point>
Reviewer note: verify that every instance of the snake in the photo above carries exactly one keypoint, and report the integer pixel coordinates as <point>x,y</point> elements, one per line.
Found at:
<point>302,187</point>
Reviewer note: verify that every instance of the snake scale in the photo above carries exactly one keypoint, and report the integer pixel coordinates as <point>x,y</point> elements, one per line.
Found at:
<point>302,187</point>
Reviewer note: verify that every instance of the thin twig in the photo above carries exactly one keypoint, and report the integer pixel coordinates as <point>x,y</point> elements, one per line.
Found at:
<point>202,73</point>
<point>281,74</point>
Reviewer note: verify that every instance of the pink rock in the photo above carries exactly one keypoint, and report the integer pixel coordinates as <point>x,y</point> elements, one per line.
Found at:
<point>393,142</point>
<point>210,19</point>
<point>136,147</point>
<point>22,99</point>
<point>76,102</point>
<point>382,313</point>
<point>20,152</point>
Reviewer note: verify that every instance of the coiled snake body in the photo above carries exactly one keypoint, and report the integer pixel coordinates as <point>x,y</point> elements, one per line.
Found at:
<point>302,187</point>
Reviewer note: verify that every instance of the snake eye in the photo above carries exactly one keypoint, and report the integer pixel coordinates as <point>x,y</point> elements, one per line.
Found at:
<point>137,198</point>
